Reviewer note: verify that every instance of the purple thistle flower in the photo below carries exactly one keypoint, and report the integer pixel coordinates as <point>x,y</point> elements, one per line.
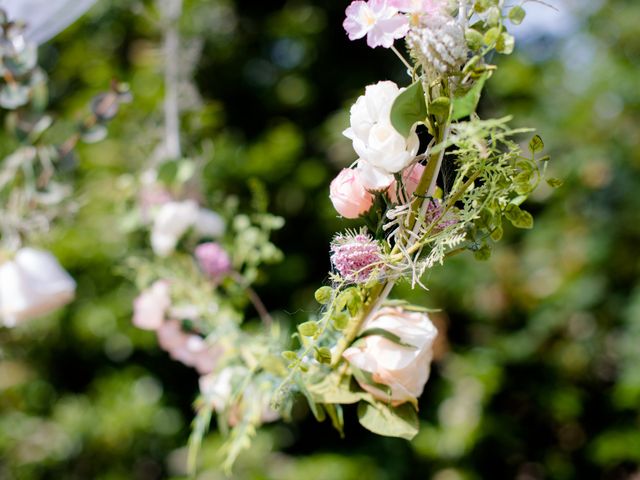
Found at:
<point>213,260</point>
<point>434,214</point>
<point>355,257</point>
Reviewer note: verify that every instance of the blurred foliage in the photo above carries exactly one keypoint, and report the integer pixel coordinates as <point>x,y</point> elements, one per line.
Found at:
<point>537,371</point>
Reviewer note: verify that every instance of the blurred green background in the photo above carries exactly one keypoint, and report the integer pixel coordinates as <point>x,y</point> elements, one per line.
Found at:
<point>537,373</point>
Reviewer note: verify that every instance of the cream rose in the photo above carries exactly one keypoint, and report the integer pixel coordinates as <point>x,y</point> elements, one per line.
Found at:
<point>374,139</point>
<point>403,368</point>
<point>32,284</point>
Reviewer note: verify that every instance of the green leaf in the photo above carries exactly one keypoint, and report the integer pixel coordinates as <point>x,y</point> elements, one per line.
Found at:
<point>466,105</point>
<point>440,107</point>
<point>483,253</point>
<point>474,38</point>
<point>555,182</point>
<point>517,14</point>
<point>536,144</point>
<point>519,218</point>
<point>491,36</point>
<point>337,388</point>
<point>340,321</point>
<point>386,334</point>
<point>408,109</point>
<point>323,295</point>
<point>337,417</point>
<point>497,233</point>
<point>308,329</point>
<point>384,420</point>
<point>323,355</point>
<point>290,356</point>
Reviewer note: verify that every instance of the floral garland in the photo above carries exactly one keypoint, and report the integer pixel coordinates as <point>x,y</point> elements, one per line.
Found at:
<point>206,253</point>
<point>364,348</point>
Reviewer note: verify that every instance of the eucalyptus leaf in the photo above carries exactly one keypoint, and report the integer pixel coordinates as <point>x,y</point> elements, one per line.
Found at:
<point>408,109</point>
<point>401,422</point>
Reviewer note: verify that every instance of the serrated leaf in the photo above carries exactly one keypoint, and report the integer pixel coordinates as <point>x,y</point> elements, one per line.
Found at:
<point>536,144</point>
<point>308,329</point>
<point>401,422</point>
<point>408,109</point>
<point>467,104</point>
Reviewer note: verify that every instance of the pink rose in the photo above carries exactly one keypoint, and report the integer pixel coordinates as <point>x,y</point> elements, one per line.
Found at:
<point>348,195</point>
<point>410,178</point>
<point>151,306</point>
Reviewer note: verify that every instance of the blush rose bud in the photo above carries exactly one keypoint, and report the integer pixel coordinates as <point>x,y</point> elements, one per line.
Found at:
<point>32,284</point>
<point>348,195</point>
<point>404,368</point>
<point>150,307</point>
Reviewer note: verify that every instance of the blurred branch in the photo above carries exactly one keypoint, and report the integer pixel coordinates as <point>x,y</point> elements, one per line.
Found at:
<point>171,11</point>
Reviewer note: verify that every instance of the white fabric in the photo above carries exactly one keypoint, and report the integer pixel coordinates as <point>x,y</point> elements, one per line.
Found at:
<point>45,18</point>
<point>31,285</point>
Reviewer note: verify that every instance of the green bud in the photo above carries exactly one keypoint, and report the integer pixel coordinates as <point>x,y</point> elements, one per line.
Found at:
<point>491,37</point>
<point>308,329</point>
<point>474,39</point>
<point>323,295</point>
<point>440,107</point>
<point>516,15</point>
<point>290,356</point>
<point>505,44</point>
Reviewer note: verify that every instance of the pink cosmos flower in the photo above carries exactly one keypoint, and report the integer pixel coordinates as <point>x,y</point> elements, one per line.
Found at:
<point>418,6</point>
<point>348,195</point>
<point>378,20</point>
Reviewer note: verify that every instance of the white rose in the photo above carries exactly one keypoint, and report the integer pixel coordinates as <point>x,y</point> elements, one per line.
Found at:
<point>217,389</point>
<point>374,138</point>
<point>373,178</point>
<point>171,222</point>
<point>209,224</point>
<point>31,285</point>
<point>45,18</point>
<point>404,369</point>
